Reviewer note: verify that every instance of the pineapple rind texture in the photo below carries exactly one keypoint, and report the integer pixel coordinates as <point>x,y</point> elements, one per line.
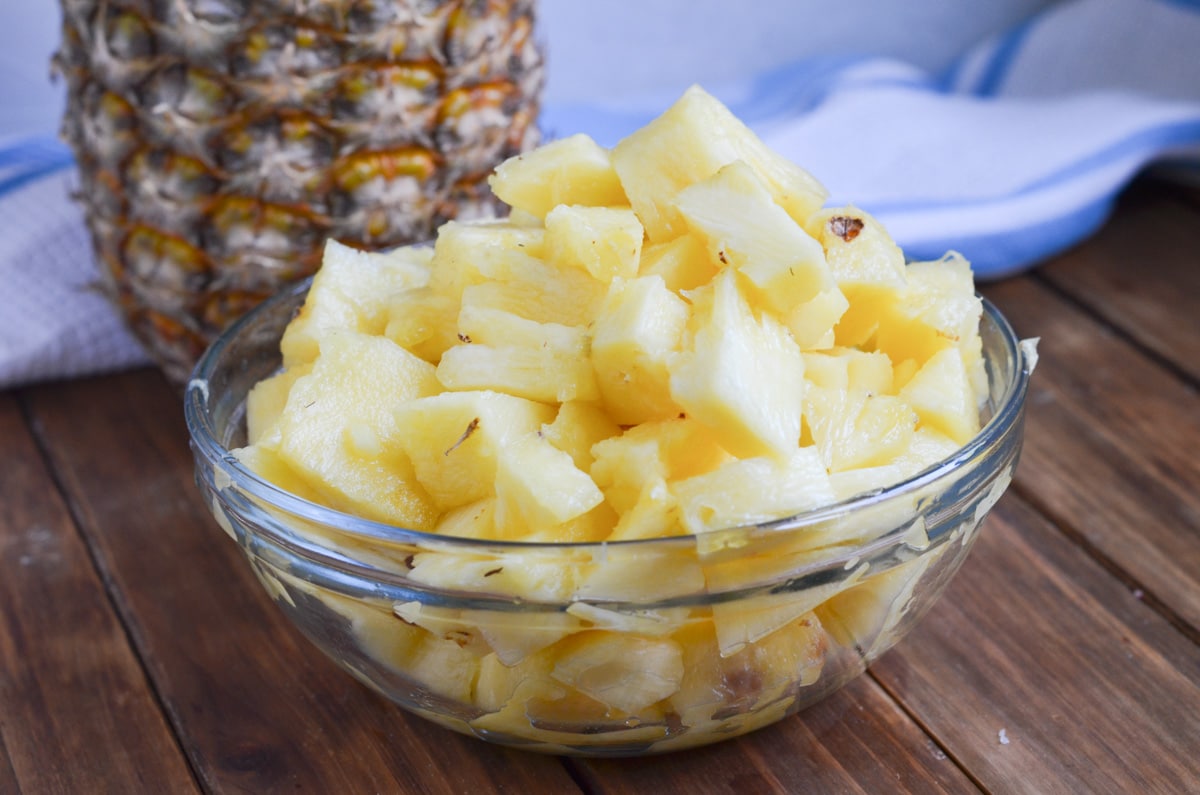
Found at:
<point>220,144</point>
<point>640,351</point>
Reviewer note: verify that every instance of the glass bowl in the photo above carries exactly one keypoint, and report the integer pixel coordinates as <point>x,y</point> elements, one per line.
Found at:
<point>616,648</point>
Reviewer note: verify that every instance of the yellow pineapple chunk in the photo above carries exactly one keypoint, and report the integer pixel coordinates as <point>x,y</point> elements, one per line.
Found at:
<point>626,465</point>
<point>604,241</point>
<point>638,328</point>
<point>852,428</point>
<point>688,143</point>
<point>339,429</point>
<point>741,376</point>
<point>265,462</point>
<point>866,264</point>
<point>942,396</point>
<point>539,486</point>
<point>546,362</point>
<point>577,427</point>
<point>683,263</point>
<point>472,520</point>
<point>536,290</point>
<point>623,672</point>
<point>423,322</point>
<point>849,368</point>
<point>454,439</point>
<point>351,292</point>
<point>937,309</point>
<point>265,401</point>
<point>749,491</point>
<point>574,170</point>
<point>498,682</point>
<point>470,252</point>
<point>652,453</point>
<point>745,229</point>
<point>926,448</point>
<point>812,322</point>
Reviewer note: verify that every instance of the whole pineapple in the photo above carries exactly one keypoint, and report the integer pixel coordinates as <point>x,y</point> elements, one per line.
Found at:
<point>220,142</point>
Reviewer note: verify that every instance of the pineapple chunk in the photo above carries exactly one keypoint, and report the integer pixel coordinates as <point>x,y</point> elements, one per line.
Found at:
<point>533,289</point>
<point>351,292</point>
<point>937,309</point>
<point>852,428</point>
<point>468,253</point>
<point>637,330</point>
<point>744,228</point>
<point>683,263</point>
<point>473,520</point>
<point>650,453</point>
<point>546,362</point>
<point>623,672</point>
<point>574,170</point>
<point>577,427</point>
<point>498,682</point>
<point>266,400</point>
<point>538,485</point>
<point>339,429</point>
<point>741,377</point>
<point>265,462</point>
<point>688,143</point>
<point>423,322</point>
<point>444,668</point>
<point>604,241</point>
<point>749,491</point>
<point>849,368</point>
<point>454,439</point>
<point>866,264</point>
<point>942,396</point>
<point>812,322</point>
<point>927,447</point>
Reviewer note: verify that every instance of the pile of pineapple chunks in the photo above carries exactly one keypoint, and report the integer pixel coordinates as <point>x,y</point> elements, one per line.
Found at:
<point>670,337</point>
<point>674,337</point>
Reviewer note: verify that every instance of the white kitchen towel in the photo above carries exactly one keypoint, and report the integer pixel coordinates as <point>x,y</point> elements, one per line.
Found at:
<point>1014,153</point>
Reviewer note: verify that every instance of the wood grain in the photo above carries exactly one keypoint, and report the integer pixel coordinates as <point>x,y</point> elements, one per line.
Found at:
<point>857,741</point>
<point>1094,692</point>
<point>76,711</point>
<point>1110,447</point>
<point>1140,274</point>
<point>259,709</point>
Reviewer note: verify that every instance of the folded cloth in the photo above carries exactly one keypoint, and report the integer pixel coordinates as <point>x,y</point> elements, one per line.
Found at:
<point>1011,155</point>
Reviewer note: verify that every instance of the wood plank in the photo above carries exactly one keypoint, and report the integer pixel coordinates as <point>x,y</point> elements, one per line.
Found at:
<point>856,741</point>
<point>1140,274</point>
<point>1110,447</point>
<point>1093,690</point>
<point>76,711</point>
<point>259,709</point>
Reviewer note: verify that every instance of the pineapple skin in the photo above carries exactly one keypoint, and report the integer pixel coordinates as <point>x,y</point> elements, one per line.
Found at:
<point>220,143</point>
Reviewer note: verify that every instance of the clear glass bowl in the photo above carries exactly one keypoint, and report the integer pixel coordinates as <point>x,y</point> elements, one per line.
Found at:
<point>617,648</point>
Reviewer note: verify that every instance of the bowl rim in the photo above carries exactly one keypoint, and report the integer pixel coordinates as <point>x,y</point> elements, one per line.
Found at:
<point>1005,415</point>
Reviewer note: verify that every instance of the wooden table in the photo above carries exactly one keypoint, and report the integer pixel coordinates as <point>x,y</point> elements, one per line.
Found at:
<point>138,655</point>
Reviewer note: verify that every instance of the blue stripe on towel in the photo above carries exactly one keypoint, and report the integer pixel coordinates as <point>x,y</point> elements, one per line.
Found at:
<point>1002,58</point>
<point>1190,5</point>
<point>29,159</point>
